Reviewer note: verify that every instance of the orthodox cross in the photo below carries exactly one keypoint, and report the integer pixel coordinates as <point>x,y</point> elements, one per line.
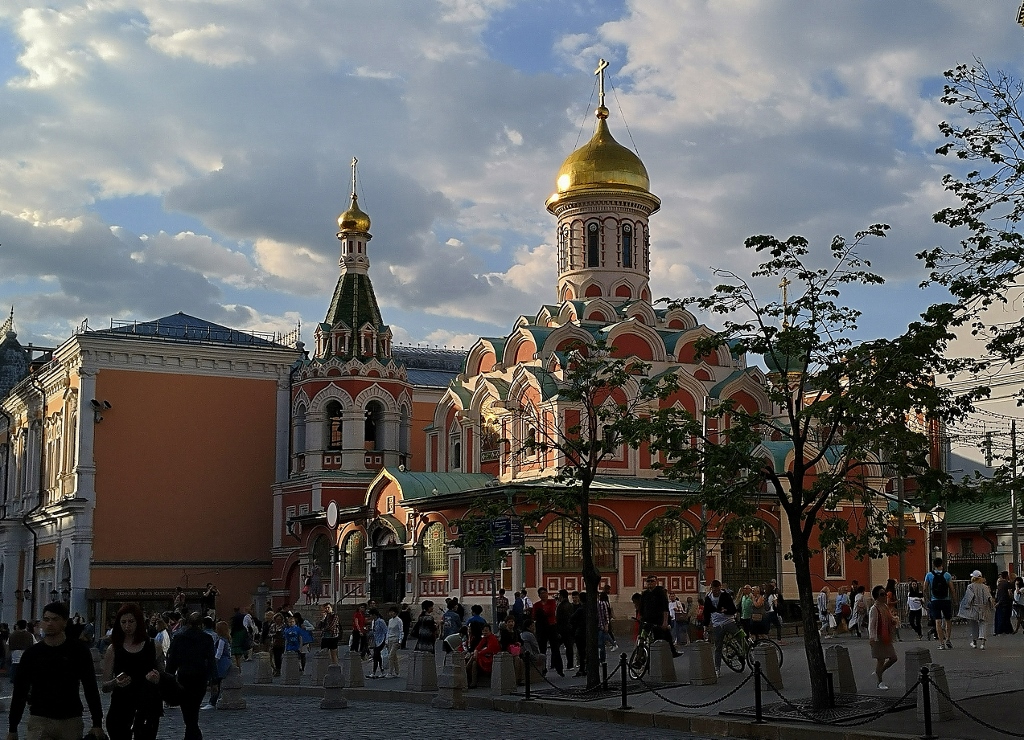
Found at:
<point>785,299</point>
<point>354,163</point>
<point>601,66</point>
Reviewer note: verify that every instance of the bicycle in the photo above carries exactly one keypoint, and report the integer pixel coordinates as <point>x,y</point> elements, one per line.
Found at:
<point>640,659</point>
<point>738,650</point>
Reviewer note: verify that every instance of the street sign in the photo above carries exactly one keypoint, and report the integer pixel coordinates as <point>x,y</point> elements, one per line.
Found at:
<point>507,532</point>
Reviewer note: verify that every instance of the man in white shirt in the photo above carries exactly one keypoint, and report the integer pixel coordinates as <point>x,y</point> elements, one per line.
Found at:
<point>396,627</point>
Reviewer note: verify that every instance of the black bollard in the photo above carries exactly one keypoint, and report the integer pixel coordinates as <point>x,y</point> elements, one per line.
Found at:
<point>758,717</point>
<point>528,664</point>
<point>604,675</point>
<point>926,702</point>
<point>622,667</point>
<point>830,683</point>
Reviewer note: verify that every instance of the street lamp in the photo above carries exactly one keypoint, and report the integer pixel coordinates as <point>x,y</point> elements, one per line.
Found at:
<point>929,521</point>
<point>65,591</point>
<point>54,595</point>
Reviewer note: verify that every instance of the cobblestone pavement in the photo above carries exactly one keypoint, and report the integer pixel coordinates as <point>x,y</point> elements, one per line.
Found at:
<point>300,718</point>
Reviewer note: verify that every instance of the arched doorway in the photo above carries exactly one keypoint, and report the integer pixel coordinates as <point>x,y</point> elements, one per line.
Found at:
<point>320,565</point>
<point>750,556</point>
<point>387,564</point>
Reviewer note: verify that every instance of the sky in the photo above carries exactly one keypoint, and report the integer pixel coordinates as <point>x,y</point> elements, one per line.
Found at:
<point>193,156</point>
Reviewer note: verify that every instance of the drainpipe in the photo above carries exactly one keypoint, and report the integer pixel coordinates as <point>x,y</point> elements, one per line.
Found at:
<point>7,461</point>
<point>34,380</point>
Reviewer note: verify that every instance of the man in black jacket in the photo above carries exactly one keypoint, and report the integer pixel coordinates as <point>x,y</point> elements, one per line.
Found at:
<point>191,660</point>
<point>49,677</point>
<point>720,615</point>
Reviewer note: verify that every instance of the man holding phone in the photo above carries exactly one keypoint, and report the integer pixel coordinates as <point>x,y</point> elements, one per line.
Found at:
<point>51,672</point>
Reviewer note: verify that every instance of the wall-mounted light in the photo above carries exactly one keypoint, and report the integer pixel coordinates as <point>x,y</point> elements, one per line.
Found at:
<point>97,408</point>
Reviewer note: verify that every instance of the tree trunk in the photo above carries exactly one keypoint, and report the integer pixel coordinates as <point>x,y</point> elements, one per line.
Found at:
<point>812,638</point>
<point>591,581</point>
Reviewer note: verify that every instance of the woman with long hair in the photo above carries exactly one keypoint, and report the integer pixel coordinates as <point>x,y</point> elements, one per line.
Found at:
<point>222,656</point>
<point>881,625</point>
<point>893,603</point>
<point>131,674</point>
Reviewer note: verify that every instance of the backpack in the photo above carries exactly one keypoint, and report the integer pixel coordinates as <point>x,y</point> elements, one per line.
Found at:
<point>940,586</point>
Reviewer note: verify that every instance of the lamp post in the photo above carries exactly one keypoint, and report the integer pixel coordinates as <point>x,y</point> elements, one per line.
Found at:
<point>929,521</point>
<point>54,595</point>
<point>65,591</point>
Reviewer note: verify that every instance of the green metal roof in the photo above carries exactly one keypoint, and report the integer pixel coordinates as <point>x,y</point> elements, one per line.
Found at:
<point>548,386</point>
<point>613,484</point>
<point>418,486</point>
<point>716,391</point>
<point>977,513</point>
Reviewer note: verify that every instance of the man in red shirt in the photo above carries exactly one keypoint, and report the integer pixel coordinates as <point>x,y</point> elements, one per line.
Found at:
<point>544,614</point>
<point>359,642</point>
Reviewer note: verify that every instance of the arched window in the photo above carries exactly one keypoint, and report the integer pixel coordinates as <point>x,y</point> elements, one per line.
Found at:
<point>563,542</point>
<point>320,554</point>
<point>456,454</point>
<point>334,426</point>
<point>433,550</point>
<point>627,245</point>
<point>593,246</point>
<point>353,555</point>
<point>563,249</point>
<point>664,550</point>
<point>750,556</point>
<point>374,415</point>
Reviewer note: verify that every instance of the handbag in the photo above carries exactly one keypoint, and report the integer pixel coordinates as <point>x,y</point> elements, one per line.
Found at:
<point>756,617</point>
<point>832,621</point>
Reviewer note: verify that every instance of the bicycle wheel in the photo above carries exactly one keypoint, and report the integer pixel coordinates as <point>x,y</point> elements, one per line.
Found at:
<point>733,655</point>
<point>766,641</point>
<point>639,661</point>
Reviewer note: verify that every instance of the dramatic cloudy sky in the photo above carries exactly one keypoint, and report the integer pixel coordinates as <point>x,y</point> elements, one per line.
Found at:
<point>160,156</point>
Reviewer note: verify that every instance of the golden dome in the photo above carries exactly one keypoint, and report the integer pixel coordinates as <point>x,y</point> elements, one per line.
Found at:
<point>601,162</point>
<point>354,219</point>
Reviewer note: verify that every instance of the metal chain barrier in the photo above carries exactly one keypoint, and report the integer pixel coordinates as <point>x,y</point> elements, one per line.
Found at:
<point>845,722</point>
<point>579,692</point>
<point>977,719</point>
<point>720,699</point>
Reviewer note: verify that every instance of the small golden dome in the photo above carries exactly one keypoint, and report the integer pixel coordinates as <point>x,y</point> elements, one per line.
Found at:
<point>354,219</point>
<point>601,162</point>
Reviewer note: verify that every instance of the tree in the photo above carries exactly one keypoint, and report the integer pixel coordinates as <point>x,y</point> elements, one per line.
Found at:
<point>840,406</point>
<point>592,397</point>
<point>990,259</point>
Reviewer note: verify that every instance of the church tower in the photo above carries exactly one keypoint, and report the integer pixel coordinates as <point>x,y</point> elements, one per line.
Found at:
<point>602,202</point>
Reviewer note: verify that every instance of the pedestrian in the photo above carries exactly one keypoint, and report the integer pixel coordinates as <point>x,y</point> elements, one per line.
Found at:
<point>774,615</point>
<point>162,641</point>
<point>745,605</point>
<point>938,593</point>
<point>975,607</point>
<point>720,616</point>
<point>892,601</point>
<point>518,608</point>
<point>330,627</point>
<point>545,619</point>
<point>563,623</point>
<point>679,617</point>
<point>52,672</point>
<point>191,661</point>
<point>481,662</point>
<point>915,606</point>
<point>275,633</point>
<point>604,620</point>
<point>425,629</point>
<point>451,624</point>
<point>843,610</point>
<point>758,609</point>
<point>531,646</point>
<point>824,615</point>
<point>512,643</point>
<point>578,627</point>
<point>178,605</point>
<point>295,636</point>
<point>239,637</point>
<point>396,629</point>
<point>406,616</point>
<point>131,676</point>
<point>379,635</point>
<point>19,641</point>
<point>654,612</point>
<point>475,624</point>
<point>1004,605</point>
<point>881,623</point>
<point>1018,603</point>
<point>858,612</point>
<point>358,641</point>
<point>209,600</point>
<point>316,583</point>
<point>223,658</point>
<point>501,606</point>
<point>252,630</point>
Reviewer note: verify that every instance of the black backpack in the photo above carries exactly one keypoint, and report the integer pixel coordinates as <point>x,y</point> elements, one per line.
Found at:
<point>940,586</point>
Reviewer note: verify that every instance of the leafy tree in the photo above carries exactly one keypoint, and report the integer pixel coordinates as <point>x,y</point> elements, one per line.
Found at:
<point>606,393</point>
<point>840,406</point>
<point>989,260</point>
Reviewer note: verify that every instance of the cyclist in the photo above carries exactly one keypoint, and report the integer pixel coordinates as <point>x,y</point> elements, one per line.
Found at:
<point>720,616</point>
<point>654,612</point>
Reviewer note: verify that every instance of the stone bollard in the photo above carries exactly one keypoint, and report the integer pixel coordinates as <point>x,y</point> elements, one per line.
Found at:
<point>662,669</point>
<point>503,674</point>
<point>769,660</point>
<point>332,689</point>
<point>942,708</point>
<point>317,664</point>
<point>837,662</point>
<point>422,672</point>
<point>290,669</point>
<point>264,668</point>
<point>352,670</point>
<point>97,660</point>
<point>231,690</point>
<point>913,659</point>
<point>451,683</point>
<point>702,664</point>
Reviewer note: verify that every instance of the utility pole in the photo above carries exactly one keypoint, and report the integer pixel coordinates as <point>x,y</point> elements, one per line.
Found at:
<point>1015,560</point>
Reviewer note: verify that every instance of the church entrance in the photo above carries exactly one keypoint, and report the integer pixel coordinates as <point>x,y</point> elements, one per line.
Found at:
<point>749,558</point>
<point>387,567</point>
